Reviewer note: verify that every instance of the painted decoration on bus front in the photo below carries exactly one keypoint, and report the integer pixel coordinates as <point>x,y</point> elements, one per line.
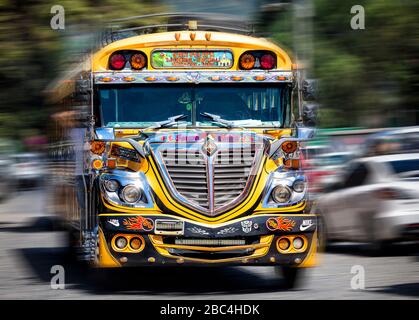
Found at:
<point>192,59</point>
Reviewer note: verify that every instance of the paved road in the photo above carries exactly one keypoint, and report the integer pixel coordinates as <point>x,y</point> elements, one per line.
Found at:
<point>28,250</point>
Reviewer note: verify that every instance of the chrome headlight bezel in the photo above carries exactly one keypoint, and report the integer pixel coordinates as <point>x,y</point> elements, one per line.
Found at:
<point>286,179</point>
<point>124,180</point>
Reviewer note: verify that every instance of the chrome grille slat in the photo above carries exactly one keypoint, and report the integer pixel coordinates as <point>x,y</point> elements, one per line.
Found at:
<point>230,169</point>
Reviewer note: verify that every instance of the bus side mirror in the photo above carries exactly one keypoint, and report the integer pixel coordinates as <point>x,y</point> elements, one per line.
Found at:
<point>310,114</point>
<point>310,90</point>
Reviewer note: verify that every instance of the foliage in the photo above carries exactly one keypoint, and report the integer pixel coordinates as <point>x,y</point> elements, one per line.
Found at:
<point>33,54</point>
<point>367,77</point>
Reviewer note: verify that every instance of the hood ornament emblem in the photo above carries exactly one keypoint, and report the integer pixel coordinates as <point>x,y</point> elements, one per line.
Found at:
<point>209,147</point>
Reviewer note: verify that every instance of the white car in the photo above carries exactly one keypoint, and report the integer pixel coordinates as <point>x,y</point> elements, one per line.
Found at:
<point>27,168</point>
<point>376,201</point>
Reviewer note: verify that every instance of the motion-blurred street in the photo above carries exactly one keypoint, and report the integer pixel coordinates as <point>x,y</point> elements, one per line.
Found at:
<point>30,247</point>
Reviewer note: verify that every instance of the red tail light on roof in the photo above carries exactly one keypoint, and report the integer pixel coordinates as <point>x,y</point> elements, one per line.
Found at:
<point>267,61</point>
<point>117,61</point>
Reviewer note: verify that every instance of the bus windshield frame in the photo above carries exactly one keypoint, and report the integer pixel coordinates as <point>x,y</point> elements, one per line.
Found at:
<point>244,104</point>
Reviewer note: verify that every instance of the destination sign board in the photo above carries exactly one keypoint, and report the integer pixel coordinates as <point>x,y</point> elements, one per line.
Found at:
<point>204,59</point>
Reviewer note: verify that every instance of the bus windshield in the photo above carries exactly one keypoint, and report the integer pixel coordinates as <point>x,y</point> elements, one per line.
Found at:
<point>245,105</point>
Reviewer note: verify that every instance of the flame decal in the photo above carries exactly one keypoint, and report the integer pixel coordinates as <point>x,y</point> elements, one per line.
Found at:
<point>280,223</point>
<point>138,223</point>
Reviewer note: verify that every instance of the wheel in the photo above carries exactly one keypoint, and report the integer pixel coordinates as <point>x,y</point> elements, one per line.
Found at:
<point>322,240</point>
<point>376,246</point>
<point>72,245</point>
<point>291,276</point>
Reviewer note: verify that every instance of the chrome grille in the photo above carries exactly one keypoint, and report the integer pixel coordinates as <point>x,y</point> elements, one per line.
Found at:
<point>188,172</point>
<point>211,183</point>
<point>231,172</point>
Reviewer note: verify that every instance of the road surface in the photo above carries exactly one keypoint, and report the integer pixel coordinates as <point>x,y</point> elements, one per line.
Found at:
<point>29,249</point>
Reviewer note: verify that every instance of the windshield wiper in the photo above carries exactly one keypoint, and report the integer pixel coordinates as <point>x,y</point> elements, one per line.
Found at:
<point>218,120</point>
<point>167,123</point>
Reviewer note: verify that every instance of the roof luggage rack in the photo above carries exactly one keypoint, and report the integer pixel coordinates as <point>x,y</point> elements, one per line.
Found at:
<point>132,26</point>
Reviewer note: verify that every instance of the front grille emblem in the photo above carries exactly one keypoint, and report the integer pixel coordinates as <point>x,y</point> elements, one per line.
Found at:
<point>209,147</point>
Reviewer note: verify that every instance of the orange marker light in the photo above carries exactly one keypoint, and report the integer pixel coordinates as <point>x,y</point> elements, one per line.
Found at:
<point>111,163</point>
<point>137,243</point>
<point>289,146</point>
<point>247,61</point>
<point>283,244</point>
<point>236,78</point>
<point>97,147</point>
<point>292,163</point>
<point>260,78</point>
<point>97,164</point>
<point>137,61</point>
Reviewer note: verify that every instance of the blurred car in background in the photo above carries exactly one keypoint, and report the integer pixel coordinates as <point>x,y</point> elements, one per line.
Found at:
<point>27,169</point>
<point>375,201</point>
<point>401,140</point>
<point>7,180</point>
<point>325,170</point>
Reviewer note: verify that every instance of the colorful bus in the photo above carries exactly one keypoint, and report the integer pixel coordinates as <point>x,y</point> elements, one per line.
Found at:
<point>183,148</point>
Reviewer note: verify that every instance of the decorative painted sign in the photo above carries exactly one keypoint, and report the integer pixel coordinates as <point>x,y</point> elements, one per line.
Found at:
<point>203,59</point>
<point>280,223</point>
<point>138,223</point>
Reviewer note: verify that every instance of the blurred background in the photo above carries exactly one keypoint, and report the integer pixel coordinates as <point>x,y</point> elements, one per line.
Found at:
<point>367,112</point>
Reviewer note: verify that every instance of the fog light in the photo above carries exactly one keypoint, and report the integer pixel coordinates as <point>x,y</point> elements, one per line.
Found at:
<point>298,243</point>
<point>111,185</point>
<point>283,244</point>
<point>136,243</point>
<point>121,242</point>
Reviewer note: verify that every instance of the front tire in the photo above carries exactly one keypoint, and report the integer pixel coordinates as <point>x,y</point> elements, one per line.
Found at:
<point>291,276</point>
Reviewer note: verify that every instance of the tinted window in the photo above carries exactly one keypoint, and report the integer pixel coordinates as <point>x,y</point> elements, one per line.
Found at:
<point>404,165</point>
<point>357,176</point>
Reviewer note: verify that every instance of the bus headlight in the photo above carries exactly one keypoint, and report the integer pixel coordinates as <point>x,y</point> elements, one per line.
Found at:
<point>299,186</point>
<point>124,188</point>
<point>111,185</point>
<point>281,194</point>
<point>131,194</point>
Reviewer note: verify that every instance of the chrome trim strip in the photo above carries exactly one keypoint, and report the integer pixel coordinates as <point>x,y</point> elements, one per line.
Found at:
<point>117,77</point>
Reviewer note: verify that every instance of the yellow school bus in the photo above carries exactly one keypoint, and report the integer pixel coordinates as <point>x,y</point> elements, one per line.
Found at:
<point>182,148</point>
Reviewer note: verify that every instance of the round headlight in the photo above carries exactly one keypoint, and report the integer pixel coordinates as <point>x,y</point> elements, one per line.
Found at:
<point>299,186</point>
<point>131,194</point>
<point>111,185</point>
<point>281,194</point>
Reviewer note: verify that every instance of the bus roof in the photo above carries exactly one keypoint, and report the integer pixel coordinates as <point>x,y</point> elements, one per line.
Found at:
<point>238,43</point>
